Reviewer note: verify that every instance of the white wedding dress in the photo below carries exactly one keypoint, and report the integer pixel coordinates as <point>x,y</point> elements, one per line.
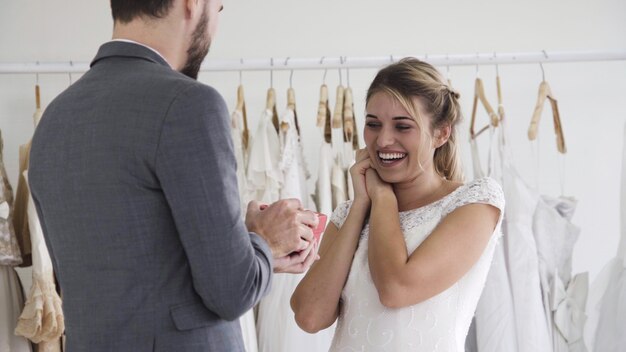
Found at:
<point>494,320</point>
<point>277,328</point>
<point>440,323</point>
<point>247,321</point>
<point>607,298</point>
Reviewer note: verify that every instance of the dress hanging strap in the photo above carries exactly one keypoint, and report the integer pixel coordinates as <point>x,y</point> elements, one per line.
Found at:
<point>622,245</point>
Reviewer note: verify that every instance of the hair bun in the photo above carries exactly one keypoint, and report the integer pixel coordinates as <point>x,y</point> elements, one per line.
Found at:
<point>453,92</point>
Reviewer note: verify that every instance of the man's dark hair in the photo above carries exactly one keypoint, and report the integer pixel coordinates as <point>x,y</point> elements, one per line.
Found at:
<point>127,10</point>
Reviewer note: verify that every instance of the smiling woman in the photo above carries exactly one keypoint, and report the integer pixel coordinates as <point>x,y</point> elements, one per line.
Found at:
<point>403,264</point>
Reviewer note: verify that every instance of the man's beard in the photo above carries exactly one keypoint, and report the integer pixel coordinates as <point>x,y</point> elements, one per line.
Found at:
<point>199,48</point>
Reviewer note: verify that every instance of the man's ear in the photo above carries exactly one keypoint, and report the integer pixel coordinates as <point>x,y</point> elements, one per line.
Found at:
<point>192,8</point>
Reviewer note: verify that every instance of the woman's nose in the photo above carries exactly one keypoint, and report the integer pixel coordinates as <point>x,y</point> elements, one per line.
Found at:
<point>385,138</point>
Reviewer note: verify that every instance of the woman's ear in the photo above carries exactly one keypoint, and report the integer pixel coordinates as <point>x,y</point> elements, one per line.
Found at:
<point>442,135</point>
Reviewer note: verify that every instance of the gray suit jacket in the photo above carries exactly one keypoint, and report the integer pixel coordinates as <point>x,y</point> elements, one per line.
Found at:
<point>133,175</point>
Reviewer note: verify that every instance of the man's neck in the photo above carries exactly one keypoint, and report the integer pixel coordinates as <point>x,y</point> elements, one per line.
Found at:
<point>154,37</point>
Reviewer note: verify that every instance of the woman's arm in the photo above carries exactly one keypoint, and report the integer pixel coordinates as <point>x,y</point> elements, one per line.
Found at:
<point>315,301</point>
<point>449,252</point>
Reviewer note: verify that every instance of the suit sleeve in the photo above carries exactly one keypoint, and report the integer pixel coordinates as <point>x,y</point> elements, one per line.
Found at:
<point>196,167</point>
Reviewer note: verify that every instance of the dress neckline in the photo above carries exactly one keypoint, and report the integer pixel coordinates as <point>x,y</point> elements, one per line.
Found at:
<point>440,200</point>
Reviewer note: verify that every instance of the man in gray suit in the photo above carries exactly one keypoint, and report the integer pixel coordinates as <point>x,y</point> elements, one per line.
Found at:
<point>133,176</point>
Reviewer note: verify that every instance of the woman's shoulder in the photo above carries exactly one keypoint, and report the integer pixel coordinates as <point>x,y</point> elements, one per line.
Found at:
<point>340,213</point>
<point>484,190</point>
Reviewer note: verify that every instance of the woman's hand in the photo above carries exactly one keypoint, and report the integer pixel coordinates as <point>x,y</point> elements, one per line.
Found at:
<point>375,186</point>
<point>357,172</point>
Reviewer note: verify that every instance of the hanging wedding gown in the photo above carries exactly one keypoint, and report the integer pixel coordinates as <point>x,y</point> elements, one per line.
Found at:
<point>523,264</point>
<point>41,320</point>
<point>265,180</point>
<point>564,298</point>
<point>11,295</point>
<point>292,164</point>
<point>323,188</point>
<point>278,331</point>
<point>263,175</point>
<point>248,326</point>
<point>493,328</point>
<point>607,299</point>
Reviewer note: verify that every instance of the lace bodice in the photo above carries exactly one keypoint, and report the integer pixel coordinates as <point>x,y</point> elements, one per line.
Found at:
<point>437,324</point>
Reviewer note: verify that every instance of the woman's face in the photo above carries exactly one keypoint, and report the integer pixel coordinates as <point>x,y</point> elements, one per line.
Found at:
<point>393,140</point>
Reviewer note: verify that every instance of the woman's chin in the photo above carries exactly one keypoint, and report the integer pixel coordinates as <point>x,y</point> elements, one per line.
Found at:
<point>389,176</point>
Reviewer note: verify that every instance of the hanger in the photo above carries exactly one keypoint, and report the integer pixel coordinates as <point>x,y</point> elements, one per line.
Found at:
<point>479,95</point>
<point>338,112</point>
<point>291,104</point>
<point>546,92</point>
<point>270,104</point>
<point>270,101</point>
<point>349,122</point>
<point>501,113</point>
<point>38,112</point>
<point>349,125</point>
<point>241,107</point>
<point>323,110</point>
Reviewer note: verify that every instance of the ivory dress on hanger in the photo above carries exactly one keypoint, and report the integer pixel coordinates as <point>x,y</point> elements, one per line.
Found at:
<point>278,331</point>
<point>564,297</point>
<point>494,320</point>
<point>264,176</point>
<point>248,326</point>
<point>606,306</point>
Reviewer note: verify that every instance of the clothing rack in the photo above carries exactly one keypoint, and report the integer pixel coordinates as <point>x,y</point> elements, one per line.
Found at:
<point>342,62</point>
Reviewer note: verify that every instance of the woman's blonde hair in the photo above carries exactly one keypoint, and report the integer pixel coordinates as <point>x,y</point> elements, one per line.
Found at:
<point>410,78</point>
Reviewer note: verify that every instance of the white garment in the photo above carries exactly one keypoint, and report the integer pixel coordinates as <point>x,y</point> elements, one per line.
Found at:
<point>323,188</point>
<point>278,331</point>
<point>533,333</point>
<point>607,299</point>
<point>338,182</point>
<point>564,301</point>
<point>241,155</point>
<point>292,163</point>
<point>493,329</point>
<point>349,160</point>
<point>248,326</point>
<point>437,324</point>
<point>264,176</point>
<point>11,303</point>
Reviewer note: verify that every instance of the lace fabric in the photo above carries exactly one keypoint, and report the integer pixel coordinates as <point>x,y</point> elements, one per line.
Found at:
<point>437,324</point>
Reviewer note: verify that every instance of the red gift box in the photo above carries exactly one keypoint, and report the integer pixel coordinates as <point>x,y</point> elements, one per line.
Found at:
<point>321,226</point>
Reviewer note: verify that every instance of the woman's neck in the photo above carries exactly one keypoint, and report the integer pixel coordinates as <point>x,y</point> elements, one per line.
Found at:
<point>426,188</point>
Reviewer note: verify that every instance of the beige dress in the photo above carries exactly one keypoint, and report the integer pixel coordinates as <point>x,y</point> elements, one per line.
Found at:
<point>11,296</point>
<point>20,209</point>
<point>41,320</point>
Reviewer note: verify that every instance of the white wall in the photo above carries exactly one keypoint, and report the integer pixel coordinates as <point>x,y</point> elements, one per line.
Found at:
<point>590,94</point>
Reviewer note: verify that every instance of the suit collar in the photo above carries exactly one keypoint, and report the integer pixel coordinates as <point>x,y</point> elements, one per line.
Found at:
<point>128,49</point>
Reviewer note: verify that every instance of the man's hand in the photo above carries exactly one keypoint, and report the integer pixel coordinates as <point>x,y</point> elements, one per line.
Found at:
<point>283,224</point>
<point>297,262</point>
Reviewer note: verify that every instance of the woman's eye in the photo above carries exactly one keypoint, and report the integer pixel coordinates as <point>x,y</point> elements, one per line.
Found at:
<point>372,124</point>
<point>403,127</point>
